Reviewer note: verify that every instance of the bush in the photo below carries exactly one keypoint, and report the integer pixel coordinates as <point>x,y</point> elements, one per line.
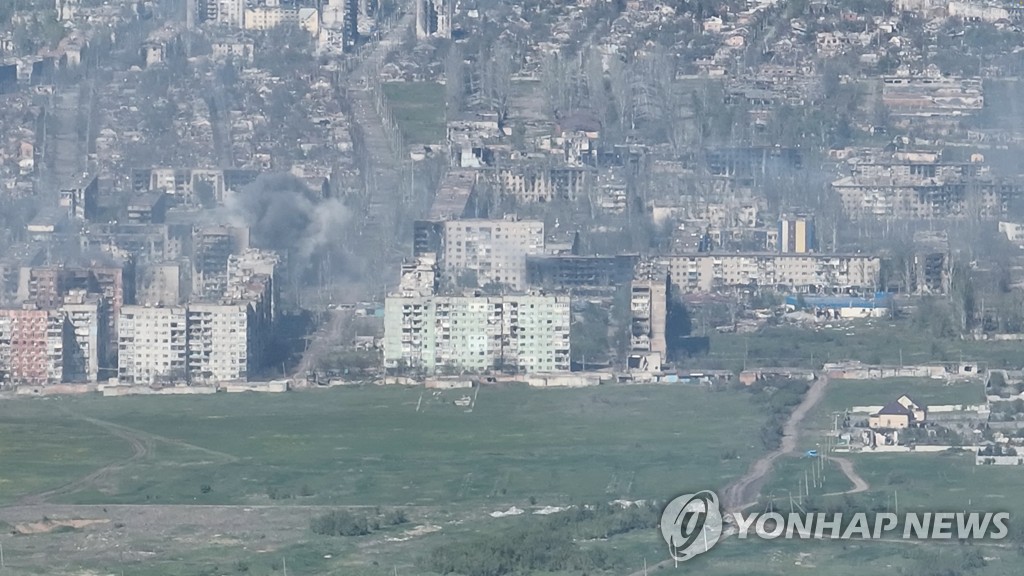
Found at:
<point>543,545</point>
<point>395,517</point>
<point>343,523</point>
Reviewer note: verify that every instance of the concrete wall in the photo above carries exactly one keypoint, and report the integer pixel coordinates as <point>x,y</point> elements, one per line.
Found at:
<point>906,449</point>
<point>999,460</point>
<point>113,391</point>
<point>56,390</point>
<point>564,381</point>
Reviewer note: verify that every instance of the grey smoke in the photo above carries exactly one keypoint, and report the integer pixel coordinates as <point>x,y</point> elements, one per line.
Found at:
<point>284,215</point>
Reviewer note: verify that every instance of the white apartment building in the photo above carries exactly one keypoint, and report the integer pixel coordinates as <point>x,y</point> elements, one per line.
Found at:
<point>218,342</point>
<point>701,273</point>
<point>527,333</point>
<point>495,250</point>
<point>230,12</point>
<point>152,344</point>
<point>267,17</point>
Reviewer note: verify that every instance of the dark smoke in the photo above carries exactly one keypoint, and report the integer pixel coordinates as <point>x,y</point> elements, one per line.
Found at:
<point>284,215</point>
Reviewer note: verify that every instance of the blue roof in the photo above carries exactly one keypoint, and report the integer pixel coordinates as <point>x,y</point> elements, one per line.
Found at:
<point>879,300</point>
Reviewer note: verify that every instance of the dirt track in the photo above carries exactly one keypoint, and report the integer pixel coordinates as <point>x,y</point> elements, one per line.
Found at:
<point>743,492</point>
<point>859,484</point>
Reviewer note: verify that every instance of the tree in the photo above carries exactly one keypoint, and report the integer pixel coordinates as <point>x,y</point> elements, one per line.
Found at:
<point>454,80</point>
<point>678,325</point>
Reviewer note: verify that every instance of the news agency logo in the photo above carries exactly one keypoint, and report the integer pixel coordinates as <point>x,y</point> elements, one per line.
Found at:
<point>693,523</point>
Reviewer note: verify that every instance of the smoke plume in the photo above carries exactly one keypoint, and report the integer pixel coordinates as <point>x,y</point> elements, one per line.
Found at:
<point>284,215</point>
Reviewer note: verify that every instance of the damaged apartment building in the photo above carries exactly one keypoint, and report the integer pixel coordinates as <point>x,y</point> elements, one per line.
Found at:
<point>434,18</point>
<point>800,273</point>
<point>428,332</point>
<point>920,185</point>
<point>219,339</point>
<point>649,294</point>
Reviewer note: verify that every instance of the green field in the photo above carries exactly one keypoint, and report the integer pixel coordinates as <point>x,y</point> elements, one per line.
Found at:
<point>870,341</point>
<point>418,108</point>
<point>292,455</point>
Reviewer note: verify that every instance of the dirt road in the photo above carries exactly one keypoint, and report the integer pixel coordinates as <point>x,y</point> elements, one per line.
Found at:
<point>140,449</point>
<point>742,493</point>
<point>142,446</point>
<point>859,484</point>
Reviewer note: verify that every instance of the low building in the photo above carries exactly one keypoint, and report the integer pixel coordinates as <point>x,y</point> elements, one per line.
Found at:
<point>899,414</point>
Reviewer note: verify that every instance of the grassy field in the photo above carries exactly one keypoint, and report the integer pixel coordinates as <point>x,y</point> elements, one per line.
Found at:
<point>42,453</point>
<point>351,447</point>
<point>371,446</point>
<point>870,341</point>
<point>419,110</point>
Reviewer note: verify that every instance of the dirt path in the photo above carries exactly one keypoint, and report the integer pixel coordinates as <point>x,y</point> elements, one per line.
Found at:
<point>859,484</point>
<point>141,444</point>
<point>742,493</point>
<point>140,449</point>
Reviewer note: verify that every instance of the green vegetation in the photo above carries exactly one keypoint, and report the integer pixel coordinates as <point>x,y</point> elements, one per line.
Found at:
<point>547,545</point>
<point>418,108</point>
<point>44,449</point>
<point>370,445</point>
<point>842,394</point>
<point>777,398</point>
<point>871,342</point>
<point>345,523</point>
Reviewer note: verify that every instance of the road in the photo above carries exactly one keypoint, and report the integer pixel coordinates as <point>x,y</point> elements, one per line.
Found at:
<point>859,484</point>
<point>743,493</point>
<point>320,339</point>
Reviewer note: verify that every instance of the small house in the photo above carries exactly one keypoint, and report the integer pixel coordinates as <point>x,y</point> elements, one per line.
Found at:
<point>899,414</point>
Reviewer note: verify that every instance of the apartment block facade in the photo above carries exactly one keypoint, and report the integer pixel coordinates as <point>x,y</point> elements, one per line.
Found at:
<point>649,309</point>
<point>152,344</point>
<point>32,343</point>
<point>495,250</point>
<point>524,333</point>
<point>808,273</point>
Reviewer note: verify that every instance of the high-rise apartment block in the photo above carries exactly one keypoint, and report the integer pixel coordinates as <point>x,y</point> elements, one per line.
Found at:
<point>649,308</point>
<point>524,333</point>
<point>434,18</point>
<point>152,344</point>
<point>32,345</point>
<point>494,250</point>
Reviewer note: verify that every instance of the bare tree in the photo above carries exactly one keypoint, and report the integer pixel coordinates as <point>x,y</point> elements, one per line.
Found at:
<point>620,77</point>
<point>496,76</point>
